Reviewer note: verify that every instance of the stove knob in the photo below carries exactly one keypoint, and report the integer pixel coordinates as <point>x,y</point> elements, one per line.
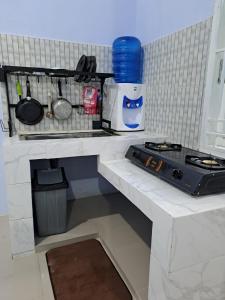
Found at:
<point>178,174</point>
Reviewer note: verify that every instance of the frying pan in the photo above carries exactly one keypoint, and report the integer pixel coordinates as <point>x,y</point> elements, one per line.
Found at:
<point>28,110</point>
<point>62,108</point>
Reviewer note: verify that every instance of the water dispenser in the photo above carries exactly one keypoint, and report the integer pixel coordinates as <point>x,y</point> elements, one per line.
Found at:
<point>123,107</point>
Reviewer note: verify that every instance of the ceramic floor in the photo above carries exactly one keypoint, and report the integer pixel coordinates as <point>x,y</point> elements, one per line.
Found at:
<point>124,232</point>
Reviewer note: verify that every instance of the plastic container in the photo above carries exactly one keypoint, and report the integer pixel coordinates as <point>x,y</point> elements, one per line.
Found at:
<point>127,60</point>
<point>50,201</point>
<point>126,44</point>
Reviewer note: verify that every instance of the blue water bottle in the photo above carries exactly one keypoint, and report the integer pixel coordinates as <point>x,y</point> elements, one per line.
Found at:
<point>127,60</point>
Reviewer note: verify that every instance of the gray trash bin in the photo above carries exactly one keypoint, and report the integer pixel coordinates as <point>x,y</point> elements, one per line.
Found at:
<point>49,188</point>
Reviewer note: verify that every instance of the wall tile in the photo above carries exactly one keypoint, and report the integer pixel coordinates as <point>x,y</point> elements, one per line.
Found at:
<point>175,69</point>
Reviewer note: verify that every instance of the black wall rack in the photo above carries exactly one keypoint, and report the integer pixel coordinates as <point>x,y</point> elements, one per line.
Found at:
<point>6,70</point>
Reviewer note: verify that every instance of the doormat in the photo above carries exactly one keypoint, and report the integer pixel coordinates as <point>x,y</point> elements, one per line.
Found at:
<point>83,271</point>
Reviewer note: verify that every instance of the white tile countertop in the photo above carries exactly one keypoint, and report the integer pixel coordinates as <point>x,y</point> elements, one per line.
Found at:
<point>188,233</point>
<point>153,190</point>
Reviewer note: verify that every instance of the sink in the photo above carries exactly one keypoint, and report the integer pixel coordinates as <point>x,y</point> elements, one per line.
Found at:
<point>81,134</point>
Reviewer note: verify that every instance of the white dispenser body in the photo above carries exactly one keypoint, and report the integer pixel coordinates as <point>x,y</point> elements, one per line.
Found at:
<point>124,107</point>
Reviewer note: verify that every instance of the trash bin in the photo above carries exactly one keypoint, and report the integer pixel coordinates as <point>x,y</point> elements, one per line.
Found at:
<point>50,201</point>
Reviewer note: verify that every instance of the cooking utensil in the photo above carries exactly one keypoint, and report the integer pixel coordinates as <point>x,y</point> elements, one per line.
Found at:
<point>28,111</point>
<point>49,113</point>
<point>86,64</point>
<point>62,108</point>
<point>19,89</point>
<point>81,67</point>
<point>91,68</point>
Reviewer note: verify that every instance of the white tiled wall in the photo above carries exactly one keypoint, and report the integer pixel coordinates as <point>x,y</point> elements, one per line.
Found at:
<point>35,52</point>
<point>175,70</point>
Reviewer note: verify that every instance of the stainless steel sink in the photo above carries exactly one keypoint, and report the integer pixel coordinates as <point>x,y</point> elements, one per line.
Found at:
<point>81,134</point>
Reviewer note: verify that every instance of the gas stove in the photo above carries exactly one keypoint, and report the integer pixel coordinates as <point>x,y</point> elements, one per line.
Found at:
<point>192,171</point>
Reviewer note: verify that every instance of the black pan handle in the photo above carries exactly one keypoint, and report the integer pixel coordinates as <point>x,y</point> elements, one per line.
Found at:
<point>28,88</point>
<point>60,88</point>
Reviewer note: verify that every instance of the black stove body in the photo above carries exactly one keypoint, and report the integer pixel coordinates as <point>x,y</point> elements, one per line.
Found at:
<point>177,166</point>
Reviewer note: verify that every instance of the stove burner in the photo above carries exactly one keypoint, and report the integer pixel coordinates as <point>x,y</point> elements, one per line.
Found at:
<point>209,163</point>
<point>163,146</point>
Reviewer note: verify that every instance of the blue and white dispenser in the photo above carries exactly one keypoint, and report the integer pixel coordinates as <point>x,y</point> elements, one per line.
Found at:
<point>123,107</point>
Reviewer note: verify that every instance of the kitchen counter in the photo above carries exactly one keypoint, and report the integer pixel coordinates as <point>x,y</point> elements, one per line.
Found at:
<point>169,199</point>
<point>188,238</point>
<point>18,153</point>
<point>17,156</point>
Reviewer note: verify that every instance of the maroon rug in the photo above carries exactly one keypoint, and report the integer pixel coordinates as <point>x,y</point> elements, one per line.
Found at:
<point>83,271</point>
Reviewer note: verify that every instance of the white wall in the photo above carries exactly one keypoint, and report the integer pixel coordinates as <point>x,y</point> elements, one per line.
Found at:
<point>92,21</point>
<point>158,18</point>
<point>101,21</point>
